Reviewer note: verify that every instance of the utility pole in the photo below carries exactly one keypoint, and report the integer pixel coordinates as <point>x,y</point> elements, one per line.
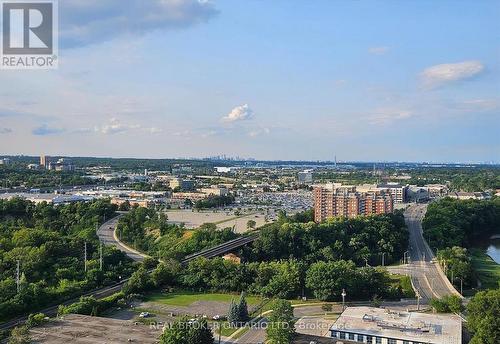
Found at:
<point>18,279</point>
<point>85,256</point>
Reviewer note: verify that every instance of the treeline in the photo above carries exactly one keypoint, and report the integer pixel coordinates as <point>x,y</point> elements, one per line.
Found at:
<point>149,231</point>
<point>362,239</point>
<point>479,178</point>
<point>451,222</point>
<point>15,177</point>
<point>278,279</point>
<point>48,242</point>
<point>214,201</point>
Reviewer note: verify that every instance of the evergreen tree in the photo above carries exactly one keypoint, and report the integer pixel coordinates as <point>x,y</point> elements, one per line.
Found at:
<point>243,308</point>
<point>233,313</point>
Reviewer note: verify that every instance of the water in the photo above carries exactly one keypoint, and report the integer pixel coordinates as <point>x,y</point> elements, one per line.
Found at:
<point>493,250</point>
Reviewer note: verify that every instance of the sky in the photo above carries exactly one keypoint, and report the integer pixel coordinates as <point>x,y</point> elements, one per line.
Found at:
<point>276,80</point>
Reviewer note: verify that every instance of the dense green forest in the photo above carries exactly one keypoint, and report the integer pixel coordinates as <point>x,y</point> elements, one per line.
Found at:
<point>451,222</point>
<point>453,227</point>
<point>48,242</point>
<point>361,239</point>
<point>15,177</point>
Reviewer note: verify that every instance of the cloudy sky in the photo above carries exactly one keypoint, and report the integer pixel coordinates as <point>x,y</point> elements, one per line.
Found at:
<point>363,80</point>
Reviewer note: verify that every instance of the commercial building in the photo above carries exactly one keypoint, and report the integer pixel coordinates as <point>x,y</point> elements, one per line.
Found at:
<point>183,184</point>
<point>397,191</point>
<point>305,177</point>
<point>5,161</point>
<point>61,165</point>
<point>215,191</point>
<point>334,200</point>
<point>383,326</point>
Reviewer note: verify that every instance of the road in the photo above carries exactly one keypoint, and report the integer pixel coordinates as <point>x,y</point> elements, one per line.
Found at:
<point>426,275</point>
<point>106,234</point>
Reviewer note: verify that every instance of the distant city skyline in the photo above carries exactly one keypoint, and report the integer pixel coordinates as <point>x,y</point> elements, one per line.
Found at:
<point>374,81</point>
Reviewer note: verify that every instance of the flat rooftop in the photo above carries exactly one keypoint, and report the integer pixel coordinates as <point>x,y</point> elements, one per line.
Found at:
<point>74,328</point>
<point>413,326</point>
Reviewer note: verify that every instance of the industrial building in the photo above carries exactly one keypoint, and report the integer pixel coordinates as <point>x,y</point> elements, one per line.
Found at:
<point>383,326</point>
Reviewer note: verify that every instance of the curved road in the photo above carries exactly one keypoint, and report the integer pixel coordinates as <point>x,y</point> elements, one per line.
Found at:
<point>427,277</point>
<point>107,236</point>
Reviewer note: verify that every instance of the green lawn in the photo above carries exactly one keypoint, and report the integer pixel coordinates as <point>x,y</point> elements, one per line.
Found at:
<point>186,298</point>
<point>488,271</point>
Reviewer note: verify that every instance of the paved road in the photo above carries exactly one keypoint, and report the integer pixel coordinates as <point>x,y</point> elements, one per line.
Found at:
<point>106,234</point>
<point>427,277</point>
<point>254,335</point>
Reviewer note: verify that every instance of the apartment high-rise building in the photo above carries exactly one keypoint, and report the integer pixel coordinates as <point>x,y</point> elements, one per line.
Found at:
<point>44,161</point>
<point>335,200</point>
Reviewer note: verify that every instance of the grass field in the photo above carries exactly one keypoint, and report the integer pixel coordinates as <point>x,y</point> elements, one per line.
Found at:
<point>488,271</point>
<point>186,298</point>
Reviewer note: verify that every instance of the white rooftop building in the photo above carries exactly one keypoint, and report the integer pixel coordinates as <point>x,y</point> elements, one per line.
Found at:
<point>383,326</point>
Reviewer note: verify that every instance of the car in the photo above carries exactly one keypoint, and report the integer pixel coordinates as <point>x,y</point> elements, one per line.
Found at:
<point>144,315</point>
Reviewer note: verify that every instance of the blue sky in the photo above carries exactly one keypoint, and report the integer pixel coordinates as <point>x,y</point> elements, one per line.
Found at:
<point>363,80</point>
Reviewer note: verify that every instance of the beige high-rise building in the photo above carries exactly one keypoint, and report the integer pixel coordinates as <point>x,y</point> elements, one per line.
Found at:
<point>44,161</point>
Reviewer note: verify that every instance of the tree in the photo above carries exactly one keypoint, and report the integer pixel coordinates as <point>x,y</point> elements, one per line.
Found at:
<point>19,335</point>
<point>35,320</point>
<point>138,282</point>
<point>186,331</point>
<point>243,308</point>
<point>448,304</point>
<point>327,279</point>
<point>233,314</point>
<point>483,319</point>
<point>251,224</point>
<point>280,329</point>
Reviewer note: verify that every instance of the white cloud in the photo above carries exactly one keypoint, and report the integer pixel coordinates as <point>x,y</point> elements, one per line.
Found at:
<point>239,113</point>
<point>378,50</point>
<point>259,132</point>
<point>5,130</point>
<point>388,115</point>
<point>450,72</point>
<point>115,126</point>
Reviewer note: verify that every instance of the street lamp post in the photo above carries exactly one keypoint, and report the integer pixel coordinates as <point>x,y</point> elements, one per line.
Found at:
<point>405,259</point>
<point>343,299</point>
<point>383,261</point>
<point>418,301</point>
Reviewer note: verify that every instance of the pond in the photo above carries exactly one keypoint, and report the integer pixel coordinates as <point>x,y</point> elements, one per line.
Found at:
<point>493,249</point>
